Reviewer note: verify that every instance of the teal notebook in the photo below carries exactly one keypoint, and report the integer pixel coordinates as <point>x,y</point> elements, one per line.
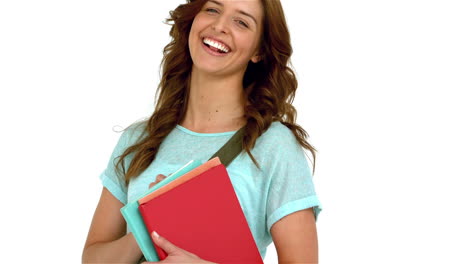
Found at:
<point>134,220</point>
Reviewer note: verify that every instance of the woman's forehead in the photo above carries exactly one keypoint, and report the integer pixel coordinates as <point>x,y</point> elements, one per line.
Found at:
<point>252,7</point>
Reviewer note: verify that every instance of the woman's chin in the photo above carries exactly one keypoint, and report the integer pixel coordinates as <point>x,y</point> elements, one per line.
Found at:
<point>209,69</point>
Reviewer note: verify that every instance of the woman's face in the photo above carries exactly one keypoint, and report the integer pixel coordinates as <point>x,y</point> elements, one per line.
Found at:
<point>225,36</point>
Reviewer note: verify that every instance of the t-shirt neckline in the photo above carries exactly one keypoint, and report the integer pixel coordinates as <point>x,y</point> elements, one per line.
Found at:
<point>190,132</point>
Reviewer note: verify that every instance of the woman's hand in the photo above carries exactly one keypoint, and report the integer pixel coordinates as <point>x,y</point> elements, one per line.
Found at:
<point>174,253</point>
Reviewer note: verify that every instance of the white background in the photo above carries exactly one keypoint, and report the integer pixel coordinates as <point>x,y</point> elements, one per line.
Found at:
<point>381,92</point>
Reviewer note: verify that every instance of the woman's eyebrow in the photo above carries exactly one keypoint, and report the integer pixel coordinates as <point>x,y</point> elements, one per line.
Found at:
<point>247,14</point>
<point>238,10</point>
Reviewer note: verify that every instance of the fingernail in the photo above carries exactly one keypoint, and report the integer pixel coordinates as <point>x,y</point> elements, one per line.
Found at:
<point>155,235</point>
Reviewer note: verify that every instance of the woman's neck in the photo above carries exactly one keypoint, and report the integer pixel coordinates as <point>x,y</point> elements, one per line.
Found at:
<point>216,104</point>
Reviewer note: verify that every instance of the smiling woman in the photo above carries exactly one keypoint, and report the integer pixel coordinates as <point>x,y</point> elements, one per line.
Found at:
<point>226,69</point>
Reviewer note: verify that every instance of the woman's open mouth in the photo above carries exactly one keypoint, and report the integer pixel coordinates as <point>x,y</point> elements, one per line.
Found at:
<point>215,47</point>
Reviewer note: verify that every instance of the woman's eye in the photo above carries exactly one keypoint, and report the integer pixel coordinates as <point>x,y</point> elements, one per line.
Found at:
<point>242,23</point>
<point>211,10</point>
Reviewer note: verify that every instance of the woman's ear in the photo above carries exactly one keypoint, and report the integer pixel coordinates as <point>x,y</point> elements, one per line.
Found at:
<point>256,58</point>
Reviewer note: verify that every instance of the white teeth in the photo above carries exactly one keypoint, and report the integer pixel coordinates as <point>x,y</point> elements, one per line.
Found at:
<point>215,44</point>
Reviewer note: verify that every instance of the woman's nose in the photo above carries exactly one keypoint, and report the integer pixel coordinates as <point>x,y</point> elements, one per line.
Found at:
<point>221,24</point>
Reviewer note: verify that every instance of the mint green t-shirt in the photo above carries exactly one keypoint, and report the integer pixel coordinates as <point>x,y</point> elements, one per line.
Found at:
<point>282,185</point>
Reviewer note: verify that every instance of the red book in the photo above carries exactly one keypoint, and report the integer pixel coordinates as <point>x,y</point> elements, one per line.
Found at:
<point>204,217</point>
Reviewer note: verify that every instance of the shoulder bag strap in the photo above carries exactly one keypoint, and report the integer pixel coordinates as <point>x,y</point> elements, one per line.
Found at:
<point>229,151</point>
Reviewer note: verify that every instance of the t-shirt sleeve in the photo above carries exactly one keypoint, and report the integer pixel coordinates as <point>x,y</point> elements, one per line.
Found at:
<point>291,186</point>
<point>110,178</point>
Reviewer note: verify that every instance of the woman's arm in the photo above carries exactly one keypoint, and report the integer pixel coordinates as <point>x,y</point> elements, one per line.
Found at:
<point>295,238</point>
<point>107,240</point>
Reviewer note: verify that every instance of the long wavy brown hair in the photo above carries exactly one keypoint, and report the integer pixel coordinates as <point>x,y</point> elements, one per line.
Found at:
<point>269,87</point>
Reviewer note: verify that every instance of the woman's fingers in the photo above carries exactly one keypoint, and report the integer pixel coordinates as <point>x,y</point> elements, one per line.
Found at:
<point>167,246</point>
<point>159,178</point>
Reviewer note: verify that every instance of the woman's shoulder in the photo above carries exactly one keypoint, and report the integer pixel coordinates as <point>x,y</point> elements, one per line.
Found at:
<point>276,137</point>
<point>278,145</point>
<point>277,132</point>
<point>134,132</point>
